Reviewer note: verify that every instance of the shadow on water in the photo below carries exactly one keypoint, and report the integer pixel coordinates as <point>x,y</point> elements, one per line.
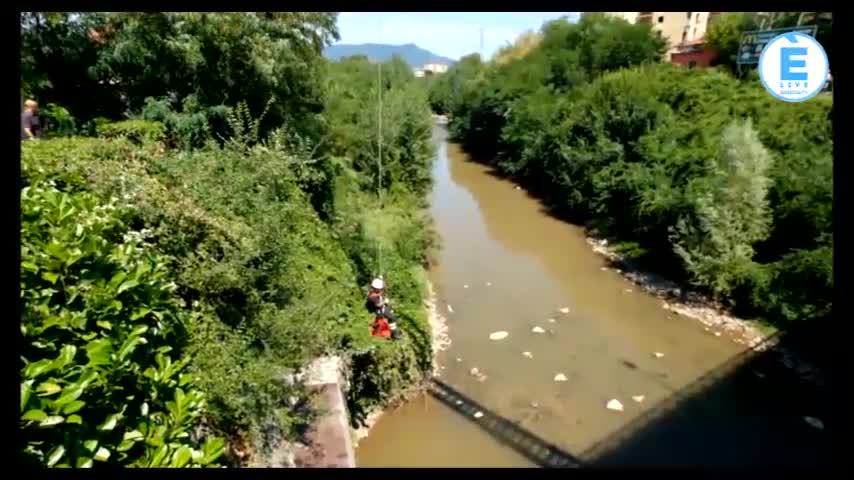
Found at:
<point>748,412</point>
<point>507,432</point>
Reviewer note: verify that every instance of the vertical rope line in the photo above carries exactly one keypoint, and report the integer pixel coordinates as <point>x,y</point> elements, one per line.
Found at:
<point>380,158</point>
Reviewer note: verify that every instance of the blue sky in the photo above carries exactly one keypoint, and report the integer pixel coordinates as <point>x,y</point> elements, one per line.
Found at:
<point>450,34</point>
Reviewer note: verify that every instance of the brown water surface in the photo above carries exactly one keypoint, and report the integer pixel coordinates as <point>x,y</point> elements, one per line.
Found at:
<point>507,265</point>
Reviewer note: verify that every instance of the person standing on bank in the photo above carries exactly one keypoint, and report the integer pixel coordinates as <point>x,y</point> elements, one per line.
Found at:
<point>31,124</point>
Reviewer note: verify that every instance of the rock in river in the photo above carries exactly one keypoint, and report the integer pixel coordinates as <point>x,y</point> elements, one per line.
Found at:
<point>615,405</point>
<point>538,330</point>
<point>498,335</point>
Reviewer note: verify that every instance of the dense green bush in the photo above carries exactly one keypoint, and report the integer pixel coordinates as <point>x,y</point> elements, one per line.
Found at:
<point>647,155</point>
<point>58,120</point>
<point>103,378</point>
<point>223,238</point>
<point>263,207</point>
<point>272,282</point>
<point>105,64</point>
<point>482,98</point>
<point>137,131</point>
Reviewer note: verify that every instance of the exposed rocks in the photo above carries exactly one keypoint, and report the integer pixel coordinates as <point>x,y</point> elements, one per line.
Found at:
<point>673,297</point>
<point>560,378</point>
<point>638,398</point>
<point>615,405</point>
<point>714,317</point>
<point>538,329</point>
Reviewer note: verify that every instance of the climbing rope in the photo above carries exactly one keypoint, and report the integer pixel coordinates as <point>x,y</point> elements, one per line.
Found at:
<point>380,159</point>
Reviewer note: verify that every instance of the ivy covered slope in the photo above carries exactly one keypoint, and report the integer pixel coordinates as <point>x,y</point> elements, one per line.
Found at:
<point>178,261</point>
<point>693,172</point>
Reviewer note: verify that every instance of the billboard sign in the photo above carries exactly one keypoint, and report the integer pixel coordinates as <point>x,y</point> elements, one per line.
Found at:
<point>753,42</point>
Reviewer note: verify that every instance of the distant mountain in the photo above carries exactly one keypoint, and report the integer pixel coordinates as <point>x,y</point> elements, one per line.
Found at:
<point>414,55</point>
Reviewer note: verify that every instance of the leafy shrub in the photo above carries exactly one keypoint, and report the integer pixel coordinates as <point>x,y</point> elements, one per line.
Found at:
<point>274,283</point>
<point>221,257</point>
<point>191,125</point>
<point>137,131</point>
<point>59,120</point>
<point>246,226</point>
<point>102,375</point>
<point>731,216</point>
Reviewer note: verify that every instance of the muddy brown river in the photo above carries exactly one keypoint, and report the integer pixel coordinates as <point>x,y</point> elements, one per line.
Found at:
<point>506,265</point>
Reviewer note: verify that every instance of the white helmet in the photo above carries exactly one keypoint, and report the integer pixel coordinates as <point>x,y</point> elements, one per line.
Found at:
<point>378,284</point>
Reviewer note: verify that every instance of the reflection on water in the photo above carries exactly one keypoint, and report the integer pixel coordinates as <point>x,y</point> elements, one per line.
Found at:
<point>507,265</point>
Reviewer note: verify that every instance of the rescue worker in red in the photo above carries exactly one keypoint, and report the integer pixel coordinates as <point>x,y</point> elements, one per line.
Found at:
<point>385,323</point>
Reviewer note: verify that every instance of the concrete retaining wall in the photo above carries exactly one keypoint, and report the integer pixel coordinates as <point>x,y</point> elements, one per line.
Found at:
<point>328,442</point>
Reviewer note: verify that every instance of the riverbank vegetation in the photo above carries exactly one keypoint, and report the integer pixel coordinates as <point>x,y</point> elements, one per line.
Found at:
<point>696,174</point>
<point>205,222</point>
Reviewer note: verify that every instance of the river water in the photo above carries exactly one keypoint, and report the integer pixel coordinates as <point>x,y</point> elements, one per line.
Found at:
<point>506,265</point>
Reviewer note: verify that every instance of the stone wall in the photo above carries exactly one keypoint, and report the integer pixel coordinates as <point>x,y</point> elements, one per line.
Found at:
<point>328,441</point>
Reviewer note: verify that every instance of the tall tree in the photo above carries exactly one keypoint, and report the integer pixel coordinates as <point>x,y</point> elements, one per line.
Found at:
<point>731,215</point>
<point>219,58</point>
